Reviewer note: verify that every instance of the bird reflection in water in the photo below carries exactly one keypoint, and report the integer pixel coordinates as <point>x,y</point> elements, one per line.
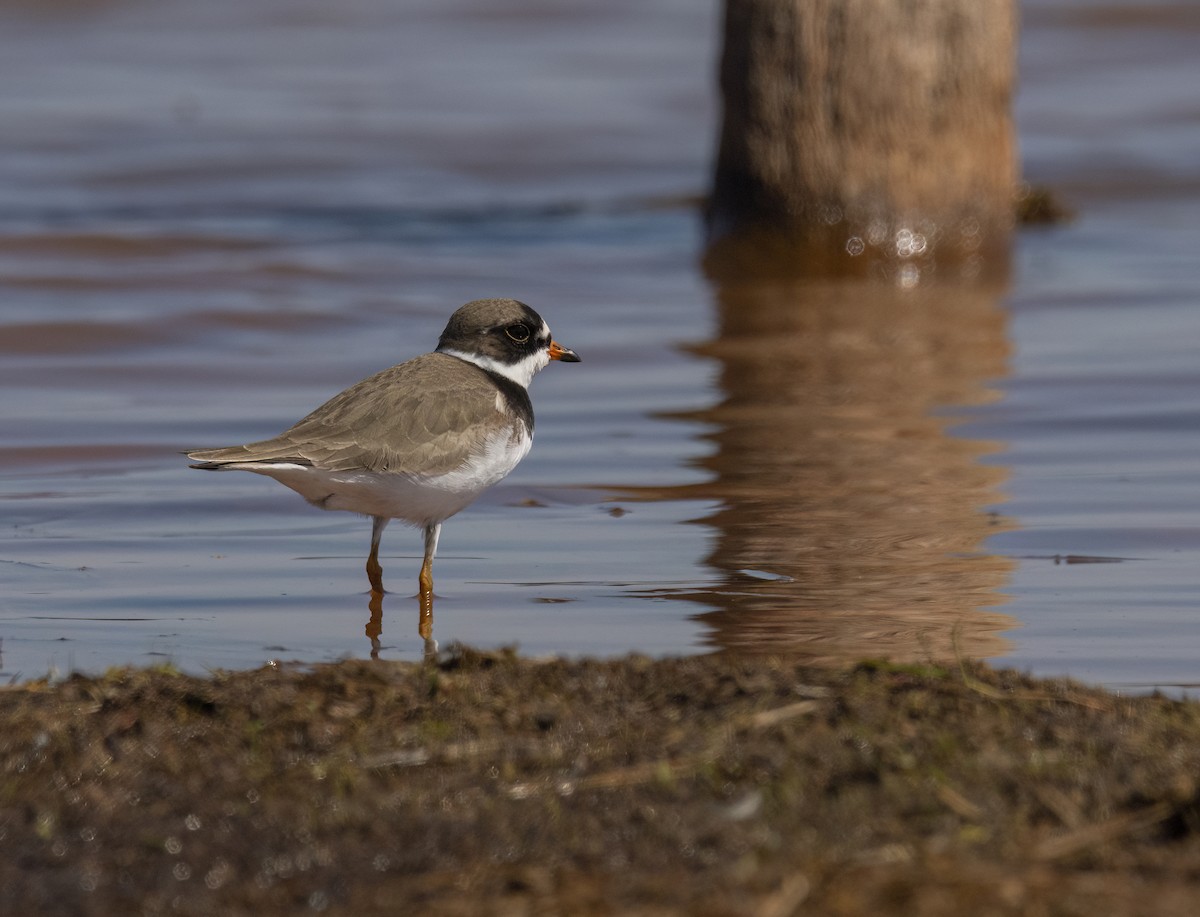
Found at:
<point>374,629</point>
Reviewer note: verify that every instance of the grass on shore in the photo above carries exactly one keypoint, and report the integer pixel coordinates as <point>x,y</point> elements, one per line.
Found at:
<point>486,783</point>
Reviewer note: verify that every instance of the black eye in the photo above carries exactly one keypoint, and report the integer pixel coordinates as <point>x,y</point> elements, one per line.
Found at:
<point>518,332</point>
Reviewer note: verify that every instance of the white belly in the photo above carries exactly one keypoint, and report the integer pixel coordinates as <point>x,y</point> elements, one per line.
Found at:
<point>417,499</point>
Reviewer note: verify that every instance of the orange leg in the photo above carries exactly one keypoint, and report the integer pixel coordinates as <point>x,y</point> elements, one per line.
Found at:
<point>374,568</point>
<point>425,624</point>
<point>425,621</point>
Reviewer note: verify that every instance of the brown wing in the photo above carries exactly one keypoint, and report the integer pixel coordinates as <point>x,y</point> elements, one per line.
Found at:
<point>424,416</point>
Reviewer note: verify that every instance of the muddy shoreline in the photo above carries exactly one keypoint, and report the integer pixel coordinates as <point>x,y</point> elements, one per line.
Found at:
<point>491,783</point>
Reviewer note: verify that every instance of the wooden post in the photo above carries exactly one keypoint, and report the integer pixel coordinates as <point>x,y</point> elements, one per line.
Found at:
<point>867,132</point>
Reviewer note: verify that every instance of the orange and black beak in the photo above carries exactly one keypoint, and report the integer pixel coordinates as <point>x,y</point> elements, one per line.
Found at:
<point>558,352</point>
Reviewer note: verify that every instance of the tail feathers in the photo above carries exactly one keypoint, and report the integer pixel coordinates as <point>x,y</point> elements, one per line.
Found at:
<point>210,466</point>
<point>215,459</point>
<point>239,457</point>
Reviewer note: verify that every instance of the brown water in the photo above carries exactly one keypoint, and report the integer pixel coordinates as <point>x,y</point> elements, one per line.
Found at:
<point>216,215</point>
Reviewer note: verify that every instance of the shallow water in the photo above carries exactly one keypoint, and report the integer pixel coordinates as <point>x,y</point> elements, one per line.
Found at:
<point>216,216</point>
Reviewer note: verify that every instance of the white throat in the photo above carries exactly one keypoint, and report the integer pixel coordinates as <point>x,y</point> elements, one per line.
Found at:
<point>521,373</point>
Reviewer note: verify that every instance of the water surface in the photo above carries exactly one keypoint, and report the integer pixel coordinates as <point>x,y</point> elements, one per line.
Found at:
<point>215,216</point>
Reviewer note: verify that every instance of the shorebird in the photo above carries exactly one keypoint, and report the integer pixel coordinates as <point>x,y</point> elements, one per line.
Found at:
<point>421,440</point>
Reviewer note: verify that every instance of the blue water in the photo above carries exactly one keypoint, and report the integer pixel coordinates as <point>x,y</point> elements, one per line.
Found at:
<point>214,216</point>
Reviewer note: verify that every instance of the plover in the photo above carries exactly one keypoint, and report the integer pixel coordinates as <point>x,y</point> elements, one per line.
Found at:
<point>418,441</point>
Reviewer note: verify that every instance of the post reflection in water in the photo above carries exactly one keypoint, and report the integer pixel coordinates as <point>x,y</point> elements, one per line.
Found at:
<point>852,521</point>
